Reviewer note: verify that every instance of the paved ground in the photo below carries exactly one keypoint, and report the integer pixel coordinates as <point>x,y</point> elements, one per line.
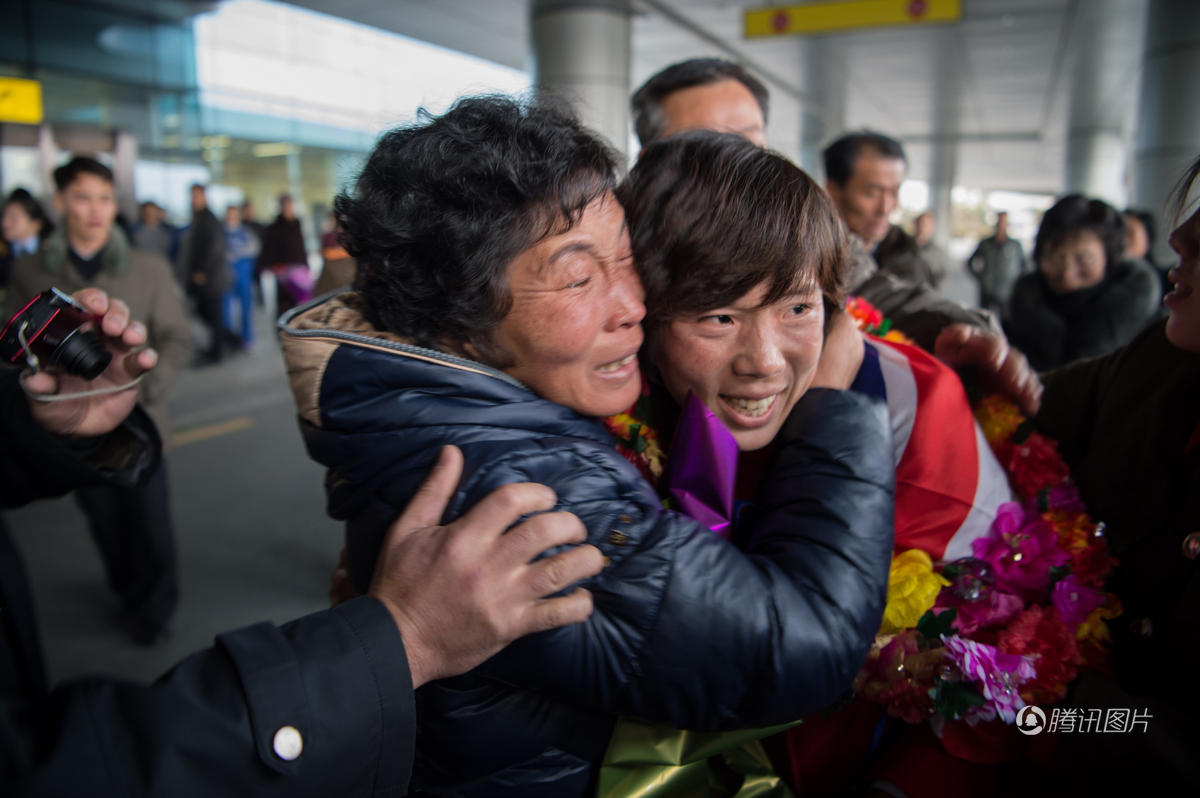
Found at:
<point>254,542</point>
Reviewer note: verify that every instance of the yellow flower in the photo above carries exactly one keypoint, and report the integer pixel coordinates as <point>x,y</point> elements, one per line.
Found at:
<point>1076,531</point>
<point>620,424</point>
<point>1094,628</point>
<point>999,418</point>
<point>895,336</point>
<point>912,588</point>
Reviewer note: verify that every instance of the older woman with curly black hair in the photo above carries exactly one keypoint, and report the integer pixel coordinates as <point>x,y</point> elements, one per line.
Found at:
<point>1083,300</point>
<point>497,308</point>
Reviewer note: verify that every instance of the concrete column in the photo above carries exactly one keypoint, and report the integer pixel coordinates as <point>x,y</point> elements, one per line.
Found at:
<point>581,51</point>
<point>825,85</point>
<point>947,111</point>
<point>48,153</point>
<point>125,153</point>
<point>1098,129</point>
<point>1168,134</point>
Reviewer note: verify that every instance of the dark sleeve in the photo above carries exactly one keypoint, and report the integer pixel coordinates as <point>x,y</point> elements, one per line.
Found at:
<point>266,254</point>
<point>36,464</point>
<point>1070,398</point>
<point>210,726</point>
<point>919,311</point>
<point>975,262</point>
<point>691,631</point>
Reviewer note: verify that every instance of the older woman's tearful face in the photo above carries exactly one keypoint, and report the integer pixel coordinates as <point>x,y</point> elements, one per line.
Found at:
<point>575,326</point>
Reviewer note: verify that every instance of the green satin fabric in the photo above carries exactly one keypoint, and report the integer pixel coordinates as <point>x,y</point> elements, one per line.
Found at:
<point>654,761</point>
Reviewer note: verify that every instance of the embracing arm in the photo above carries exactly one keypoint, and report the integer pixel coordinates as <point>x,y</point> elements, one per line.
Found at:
<point>690,631</point>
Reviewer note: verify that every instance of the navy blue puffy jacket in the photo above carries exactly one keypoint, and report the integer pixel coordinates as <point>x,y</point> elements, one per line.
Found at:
<point>687,629</point>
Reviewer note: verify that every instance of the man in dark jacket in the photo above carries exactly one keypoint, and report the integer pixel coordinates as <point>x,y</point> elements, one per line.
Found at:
<point>206,269</point>
<point>284,254</point>
<point>321,706</point>
<point>996,263</point>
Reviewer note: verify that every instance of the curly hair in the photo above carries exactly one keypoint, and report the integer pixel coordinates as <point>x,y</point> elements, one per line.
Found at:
<point>442,208</point>
<point>649,121</point>
<point>711,216</point>
<point>1074,214</point>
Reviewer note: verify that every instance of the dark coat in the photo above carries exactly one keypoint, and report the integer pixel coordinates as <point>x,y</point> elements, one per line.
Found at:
<point>1123,423</point>
<point>202,256</point>
<point>282,243</point>
<point>687,629</point>
<point>899,254</point>
<point>1055,330</point>
<point>207,727</point>
<point>1128,424</point>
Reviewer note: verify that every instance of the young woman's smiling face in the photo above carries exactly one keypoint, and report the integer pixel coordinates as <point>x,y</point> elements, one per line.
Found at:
<point>748,362</point>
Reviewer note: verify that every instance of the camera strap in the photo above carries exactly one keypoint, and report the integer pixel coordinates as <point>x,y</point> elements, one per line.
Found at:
<point>62,397</point>
<point>35,366</point>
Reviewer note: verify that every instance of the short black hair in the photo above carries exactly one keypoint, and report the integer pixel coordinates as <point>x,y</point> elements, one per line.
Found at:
<point>66,174</point>
<point>842,156</point>
<point>1074,214</point>
<point>443,206</point>
<point>712,215</point>
<point>648,120</point>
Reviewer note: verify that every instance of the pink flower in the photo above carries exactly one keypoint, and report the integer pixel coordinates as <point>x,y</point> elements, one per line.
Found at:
<point>1059,497</point>
<point>992,608</point>
<point>999,676</point>
<point>1075,601</point>
<point>1021,549</point>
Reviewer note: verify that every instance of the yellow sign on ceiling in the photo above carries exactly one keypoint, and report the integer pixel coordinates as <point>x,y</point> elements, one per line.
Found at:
<point>832,17</point>
<point>20,101</point>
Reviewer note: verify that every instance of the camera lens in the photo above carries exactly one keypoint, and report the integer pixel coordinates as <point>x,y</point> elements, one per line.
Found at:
<point>82,353</point>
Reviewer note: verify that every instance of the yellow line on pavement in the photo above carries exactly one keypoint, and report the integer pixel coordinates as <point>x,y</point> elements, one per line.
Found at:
<point>211,431</point>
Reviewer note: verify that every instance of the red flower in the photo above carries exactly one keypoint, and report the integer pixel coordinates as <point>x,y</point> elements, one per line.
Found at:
<point>1035,465</point>
<point>1092,565</point>
<point>1042,635</point>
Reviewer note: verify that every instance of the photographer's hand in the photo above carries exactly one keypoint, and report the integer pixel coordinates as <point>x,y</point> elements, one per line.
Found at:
<point>96,415</point>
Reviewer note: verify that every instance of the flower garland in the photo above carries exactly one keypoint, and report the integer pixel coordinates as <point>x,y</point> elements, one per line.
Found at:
<point>635,439</point>
<point>871,321</point>
<point>979,638</point>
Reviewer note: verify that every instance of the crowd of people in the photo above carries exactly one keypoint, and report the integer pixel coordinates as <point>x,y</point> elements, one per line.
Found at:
<point>526,316</point>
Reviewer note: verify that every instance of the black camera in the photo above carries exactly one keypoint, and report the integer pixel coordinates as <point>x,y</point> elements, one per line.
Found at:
<point>50,331</point>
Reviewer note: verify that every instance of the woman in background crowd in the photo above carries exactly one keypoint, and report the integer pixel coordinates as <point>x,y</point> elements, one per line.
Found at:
<point>24,227</point>
<point>1084,299</point>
